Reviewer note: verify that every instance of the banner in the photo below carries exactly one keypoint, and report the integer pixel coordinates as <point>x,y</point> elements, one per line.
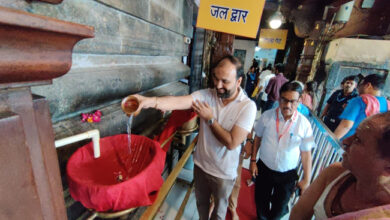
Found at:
<point>236,17</point>
<point>273,38</point>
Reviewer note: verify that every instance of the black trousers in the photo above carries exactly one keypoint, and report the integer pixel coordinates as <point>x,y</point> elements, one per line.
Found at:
<point>272,192</point>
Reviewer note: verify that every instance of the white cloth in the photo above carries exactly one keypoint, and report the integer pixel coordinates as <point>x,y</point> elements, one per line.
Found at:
<point>210,154</point>
<point>283,155</point>
<point>319,207</point>
<point>264,78</point>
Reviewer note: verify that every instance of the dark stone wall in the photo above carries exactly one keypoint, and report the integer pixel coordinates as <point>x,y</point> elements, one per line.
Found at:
<point>197,60</point>
<point>138,46</point>
<point>170,14</point>
<point>95,81</point>
<point>341,69</point>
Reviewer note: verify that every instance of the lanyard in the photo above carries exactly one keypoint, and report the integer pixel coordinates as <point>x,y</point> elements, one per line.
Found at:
<point>288,127</point>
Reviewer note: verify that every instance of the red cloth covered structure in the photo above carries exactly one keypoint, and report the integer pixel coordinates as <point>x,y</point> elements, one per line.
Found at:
<point>117,180</point>
<point>177,119</point>
<point>120,180</point>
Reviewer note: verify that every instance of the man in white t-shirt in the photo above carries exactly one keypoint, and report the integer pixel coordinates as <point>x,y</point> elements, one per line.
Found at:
<point>261,96</point>
<point>284,135</point>
<point>227,116</point>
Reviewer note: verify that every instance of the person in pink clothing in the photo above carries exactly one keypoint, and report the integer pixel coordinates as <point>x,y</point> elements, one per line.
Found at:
<point>369,102</point>
<point>360,182</point>
<point>274,86</point>
<point>308,96</point>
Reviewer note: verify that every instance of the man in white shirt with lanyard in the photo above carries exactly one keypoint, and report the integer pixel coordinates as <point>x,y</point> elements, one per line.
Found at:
<point>284,134</point>
<point>227,116</point>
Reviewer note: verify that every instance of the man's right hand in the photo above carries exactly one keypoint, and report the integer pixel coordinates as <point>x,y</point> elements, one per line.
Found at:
<point>253,168</point>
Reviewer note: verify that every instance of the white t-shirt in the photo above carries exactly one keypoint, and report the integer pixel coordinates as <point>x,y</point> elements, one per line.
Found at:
<point>210,154</point>
<point>283,155</point>
<point>264,78</point>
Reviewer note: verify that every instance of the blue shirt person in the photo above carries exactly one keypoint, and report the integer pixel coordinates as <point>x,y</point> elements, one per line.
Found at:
<point>355,111</point>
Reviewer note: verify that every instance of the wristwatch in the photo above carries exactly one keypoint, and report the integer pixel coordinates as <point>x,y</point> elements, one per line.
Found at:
<point>211,121</point>
<point>250,140</point>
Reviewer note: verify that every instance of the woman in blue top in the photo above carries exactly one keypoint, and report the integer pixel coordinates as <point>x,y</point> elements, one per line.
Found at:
<point>369,102</point>
<point>250,81</point>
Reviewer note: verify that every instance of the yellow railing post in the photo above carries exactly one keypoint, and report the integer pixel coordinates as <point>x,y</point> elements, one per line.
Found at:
<point>151,211</point>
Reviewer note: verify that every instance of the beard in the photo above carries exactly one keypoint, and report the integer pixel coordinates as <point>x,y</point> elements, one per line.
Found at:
<point>347,89</point>
<point>225,94</point>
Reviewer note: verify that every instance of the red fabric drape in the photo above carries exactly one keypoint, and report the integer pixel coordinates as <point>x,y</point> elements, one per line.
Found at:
<point>177,119</point>
<point>94,182</point>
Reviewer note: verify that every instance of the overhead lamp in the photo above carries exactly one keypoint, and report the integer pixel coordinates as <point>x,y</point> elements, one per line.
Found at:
<point>276,20</point>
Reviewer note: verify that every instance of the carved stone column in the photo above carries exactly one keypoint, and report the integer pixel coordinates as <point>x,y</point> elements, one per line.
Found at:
<point>223,46</point>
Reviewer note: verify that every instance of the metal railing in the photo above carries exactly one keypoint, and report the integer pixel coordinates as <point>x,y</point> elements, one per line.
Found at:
<point>327,151</point>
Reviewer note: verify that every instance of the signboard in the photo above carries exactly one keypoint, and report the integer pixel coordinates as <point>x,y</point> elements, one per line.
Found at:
<point>231,16</point>
<point>273,38</point>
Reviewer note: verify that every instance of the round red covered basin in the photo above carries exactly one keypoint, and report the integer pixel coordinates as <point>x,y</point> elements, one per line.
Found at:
<point>120,179</point>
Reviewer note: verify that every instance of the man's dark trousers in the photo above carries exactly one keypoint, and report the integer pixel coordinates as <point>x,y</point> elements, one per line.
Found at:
<point>273,188</point>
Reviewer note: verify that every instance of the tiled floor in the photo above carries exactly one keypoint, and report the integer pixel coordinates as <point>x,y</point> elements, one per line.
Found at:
<point>175,198</point>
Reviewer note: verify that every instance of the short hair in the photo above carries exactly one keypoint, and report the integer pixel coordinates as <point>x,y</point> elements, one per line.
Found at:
<point>279,67</point>
<point>233,60</point>
<point>291,86</point>
<point>360,77</point>
<point>384,140</point>
<point>255,63</point>
<point>351,78</point>
<point>377,81</point>
<point>311,86</point>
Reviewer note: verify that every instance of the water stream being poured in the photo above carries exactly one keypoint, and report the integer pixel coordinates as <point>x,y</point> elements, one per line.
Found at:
<point>126,159</point>
<point>129,122</point>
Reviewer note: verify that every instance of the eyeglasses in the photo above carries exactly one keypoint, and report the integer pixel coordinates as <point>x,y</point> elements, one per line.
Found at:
<point>286,101</point>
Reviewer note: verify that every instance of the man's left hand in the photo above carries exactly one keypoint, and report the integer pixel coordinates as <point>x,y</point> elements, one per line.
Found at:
<point>203,110</point>
<point>303,184</point>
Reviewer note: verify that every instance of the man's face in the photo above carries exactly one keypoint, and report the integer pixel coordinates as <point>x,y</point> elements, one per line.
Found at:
<point>349,86</point>
<point>225,80</point>
<point>289,102</point>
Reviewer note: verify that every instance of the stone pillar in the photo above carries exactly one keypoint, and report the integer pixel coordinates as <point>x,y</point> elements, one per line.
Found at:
<point>33,50</point>
<point>222,47</point>
<point>305,63</point>
<point>294,55</point>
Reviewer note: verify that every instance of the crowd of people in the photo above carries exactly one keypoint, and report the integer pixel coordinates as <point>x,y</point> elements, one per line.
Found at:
<point>357,113</point>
